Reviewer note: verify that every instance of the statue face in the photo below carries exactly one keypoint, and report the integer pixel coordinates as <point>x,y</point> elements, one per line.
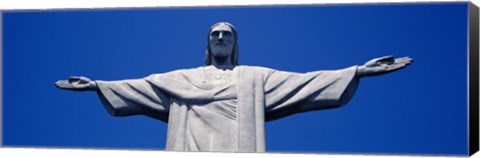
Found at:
<point>221,40</point>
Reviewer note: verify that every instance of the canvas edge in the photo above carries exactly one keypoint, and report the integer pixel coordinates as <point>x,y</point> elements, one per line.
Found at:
<point>473,112</point>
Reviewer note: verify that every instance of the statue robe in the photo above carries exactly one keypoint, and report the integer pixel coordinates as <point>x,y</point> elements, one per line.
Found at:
<point>230,117</point>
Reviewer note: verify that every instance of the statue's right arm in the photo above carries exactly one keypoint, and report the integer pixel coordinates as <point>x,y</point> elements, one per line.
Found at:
<point>77,84</point>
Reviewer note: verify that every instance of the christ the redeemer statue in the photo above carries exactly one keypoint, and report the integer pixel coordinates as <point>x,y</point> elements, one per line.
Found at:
<point>223,106</point>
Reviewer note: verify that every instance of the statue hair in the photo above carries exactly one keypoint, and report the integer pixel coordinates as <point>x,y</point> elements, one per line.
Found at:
<point>234,54</point>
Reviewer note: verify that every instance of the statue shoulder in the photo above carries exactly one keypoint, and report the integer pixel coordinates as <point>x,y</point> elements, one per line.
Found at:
<point>256,71</point>
<point>256,68</point>
<point>177,73</point>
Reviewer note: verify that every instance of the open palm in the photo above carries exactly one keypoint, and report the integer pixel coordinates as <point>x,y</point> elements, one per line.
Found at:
<point>383,65</point>
<point>76,84</point>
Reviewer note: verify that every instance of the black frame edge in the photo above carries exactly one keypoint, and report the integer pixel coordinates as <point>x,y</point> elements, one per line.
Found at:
<point>473,78</point>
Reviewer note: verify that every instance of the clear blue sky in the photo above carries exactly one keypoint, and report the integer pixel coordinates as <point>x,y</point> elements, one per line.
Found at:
<point>419,110</point>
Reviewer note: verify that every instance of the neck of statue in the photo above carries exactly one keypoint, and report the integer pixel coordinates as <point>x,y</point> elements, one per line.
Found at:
<point>222,63</point>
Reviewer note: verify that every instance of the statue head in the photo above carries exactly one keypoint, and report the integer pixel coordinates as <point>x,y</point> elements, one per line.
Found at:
<point>222,43</point>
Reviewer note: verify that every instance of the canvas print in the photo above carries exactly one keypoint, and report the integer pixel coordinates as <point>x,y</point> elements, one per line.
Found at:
<point>343,79</point>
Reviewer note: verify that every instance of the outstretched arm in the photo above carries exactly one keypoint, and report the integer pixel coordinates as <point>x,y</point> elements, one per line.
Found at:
<point>287,93</point>
<point>76,83</point>
<point>124,97</point>
<point>383,65</point>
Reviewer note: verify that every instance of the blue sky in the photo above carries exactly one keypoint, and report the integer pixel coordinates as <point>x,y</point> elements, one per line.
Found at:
<point>419,110</point>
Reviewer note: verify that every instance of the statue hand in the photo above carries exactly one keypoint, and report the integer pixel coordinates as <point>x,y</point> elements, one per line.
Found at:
<point>383,65</point>
<point>77,84</point>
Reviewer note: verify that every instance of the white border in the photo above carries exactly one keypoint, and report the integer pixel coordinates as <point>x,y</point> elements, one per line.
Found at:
<point>89,4</point>
<point>82,153</point>
<point>64,4</point>
<point>1,79</point>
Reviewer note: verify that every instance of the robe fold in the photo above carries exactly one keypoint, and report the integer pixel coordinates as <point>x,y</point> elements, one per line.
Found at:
<point>229,117</point>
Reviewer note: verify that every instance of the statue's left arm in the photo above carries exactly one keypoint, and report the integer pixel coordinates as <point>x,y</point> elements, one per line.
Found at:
<point>287,93</point>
